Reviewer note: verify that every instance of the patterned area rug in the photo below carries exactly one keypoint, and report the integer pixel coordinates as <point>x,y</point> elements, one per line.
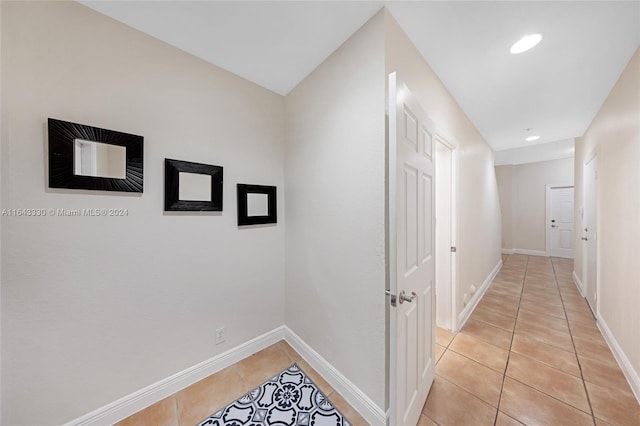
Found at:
<point>290,399</point>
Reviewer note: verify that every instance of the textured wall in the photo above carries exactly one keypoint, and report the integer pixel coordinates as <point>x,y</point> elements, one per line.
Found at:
<point>94,308</point>
<point>616,131</point>
<point>335,180</point>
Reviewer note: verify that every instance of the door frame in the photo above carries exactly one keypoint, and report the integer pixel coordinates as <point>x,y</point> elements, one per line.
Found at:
<point>596,280</point>
<point>547,225</point>
<point>447,302</point>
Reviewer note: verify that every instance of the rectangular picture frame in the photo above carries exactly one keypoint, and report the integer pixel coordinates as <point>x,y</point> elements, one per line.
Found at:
<point>172,170</point>
<point>62,136</point>
<point>244,216</point>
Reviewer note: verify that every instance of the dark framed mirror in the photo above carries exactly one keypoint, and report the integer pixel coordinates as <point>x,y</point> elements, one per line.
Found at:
<point>87,157</point>
<point>192,186</point>
<point>257,204</point>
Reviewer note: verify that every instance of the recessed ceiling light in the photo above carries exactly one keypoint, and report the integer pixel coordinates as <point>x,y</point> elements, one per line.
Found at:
<point>532,138</point>
<point>525,43</point>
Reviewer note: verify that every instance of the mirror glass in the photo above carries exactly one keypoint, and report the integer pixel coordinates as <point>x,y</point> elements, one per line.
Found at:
<point>194,187</point>
<point>257,204</point>
<point>99,159</point>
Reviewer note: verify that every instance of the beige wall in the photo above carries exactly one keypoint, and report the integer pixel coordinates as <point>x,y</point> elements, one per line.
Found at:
<point>478,204</point>
<point>96,308</point>
<point>335,180</point>
<point>523,194</point>
<point>616,131</point>
<point>504,177</point>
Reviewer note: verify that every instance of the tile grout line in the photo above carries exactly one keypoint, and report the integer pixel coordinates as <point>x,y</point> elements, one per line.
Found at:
<point>584,384</point>
<point>504,374</point>
<point>178,417</point>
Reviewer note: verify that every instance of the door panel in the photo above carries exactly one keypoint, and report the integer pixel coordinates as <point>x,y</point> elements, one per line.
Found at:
<point>411,221</point>
<point>412,264</point>
<point>429,337</point>
<point>428,239</point>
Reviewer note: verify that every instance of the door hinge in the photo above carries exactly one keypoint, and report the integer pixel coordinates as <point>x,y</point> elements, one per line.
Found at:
<point>454,249</point>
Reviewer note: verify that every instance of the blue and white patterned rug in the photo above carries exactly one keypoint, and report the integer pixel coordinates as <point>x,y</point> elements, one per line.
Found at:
<point>288,399</point>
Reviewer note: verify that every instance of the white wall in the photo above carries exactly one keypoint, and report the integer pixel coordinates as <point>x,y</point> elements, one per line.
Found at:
<point>616,130</point>
<point>96,308</point>
<point>335,192</point>
<point>523,192</point>
<point>478,204</point>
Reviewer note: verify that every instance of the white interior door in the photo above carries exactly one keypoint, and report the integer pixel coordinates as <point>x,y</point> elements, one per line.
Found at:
<point>444,235</point>
<point>590,232</point>
<point>560,222</point>
<point>411,254</point>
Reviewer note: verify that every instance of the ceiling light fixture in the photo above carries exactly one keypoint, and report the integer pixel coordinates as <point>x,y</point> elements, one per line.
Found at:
<point>532,138</point>
<point>525,43</point>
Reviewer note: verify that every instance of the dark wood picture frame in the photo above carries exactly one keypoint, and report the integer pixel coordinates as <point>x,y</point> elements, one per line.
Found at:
<point>172,169</point>
<point>62,136</point>
<point>243,214</point>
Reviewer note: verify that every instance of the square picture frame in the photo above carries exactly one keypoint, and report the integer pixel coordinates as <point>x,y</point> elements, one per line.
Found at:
<point>257,204</point>
<point>172,171</point>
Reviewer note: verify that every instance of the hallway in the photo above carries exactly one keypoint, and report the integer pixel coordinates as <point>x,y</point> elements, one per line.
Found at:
<point>530,353</point>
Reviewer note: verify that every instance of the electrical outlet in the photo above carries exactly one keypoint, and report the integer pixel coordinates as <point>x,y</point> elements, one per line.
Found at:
<point>220,335</point>
<point>473,289</point>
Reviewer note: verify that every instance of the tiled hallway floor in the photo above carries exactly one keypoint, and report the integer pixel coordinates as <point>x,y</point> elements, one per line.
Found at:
<point>531,353</point>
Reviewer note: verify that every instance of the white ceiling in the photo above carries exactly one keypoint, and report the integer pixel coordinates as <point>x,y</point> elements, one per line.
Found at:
<point>555,89</point>
<point>534,153</point>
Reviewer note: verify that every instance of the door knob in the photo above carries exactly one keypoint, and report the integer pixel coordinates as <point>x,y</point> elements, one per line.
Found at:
<point>404,298</point>
<point>554,226</point>
<point>584,238</point>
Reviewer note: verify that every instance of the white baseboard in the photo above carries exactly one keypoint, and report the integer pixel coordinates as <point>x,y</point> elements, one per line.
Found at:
<point>466,312</point>
<point>373,414</point>
<point>507,251</point>
<point>579,284</point>
<point>625,365</point>
<point>131,404</point>
<point>529,252</point>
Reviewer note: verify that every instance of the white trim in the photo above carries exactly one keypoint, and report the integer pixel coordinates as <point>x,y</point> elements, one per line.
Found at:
<point>368,409</point>
<point>529,252</point>
<point>466,312</point>
<point>579,284</point>
<point>593,282</point>
<point>625,365</point>
<point>507,251</point>
<point>450,295</point>
<point>139,400</point>
<point>392,234</point>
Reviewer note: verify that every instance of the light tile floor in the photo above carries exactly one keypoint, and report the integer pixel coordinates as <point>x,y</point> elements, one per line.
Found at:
<point>195,403</point>
<point>531,354</point>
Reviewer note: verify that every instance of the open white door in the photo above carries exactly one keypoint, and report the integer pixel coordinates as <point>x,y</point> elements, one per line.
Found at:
<point>590,232</point>
<point>411,254</point>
